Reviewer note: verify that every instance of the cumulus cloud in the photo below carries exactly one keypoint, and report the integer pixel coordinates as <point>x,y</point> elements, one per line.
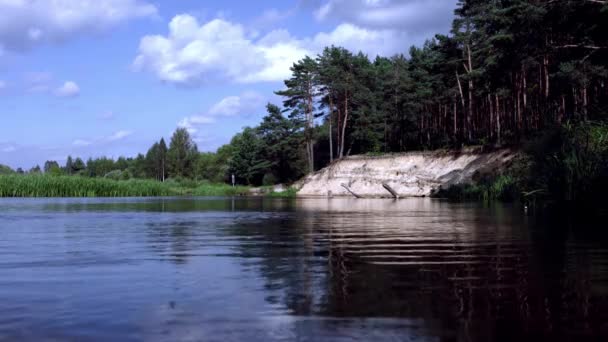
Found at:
<point>27,23</point>
<point>192,53</point>
<point>68,89</point>
<point>384,42</point>
<point>411,16</point>
<point>241,105</point>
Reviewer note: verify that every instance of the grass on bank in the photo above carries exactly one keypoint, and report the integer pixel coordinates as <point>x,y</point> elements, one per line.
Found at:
<point>76,186</point>
<point>287,193</point>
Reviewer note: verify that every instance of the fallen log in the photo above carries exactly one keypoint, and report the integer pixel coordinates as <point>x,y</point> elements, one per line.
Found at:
<point>349,190</point>
<point>391,190</point>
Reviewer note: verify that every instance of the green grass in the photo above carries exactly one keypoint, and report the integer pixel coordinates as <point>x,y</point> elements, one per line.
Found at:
<point>502,187</point>
<point>76,186</point>
<point>288,193</point>
<point>209,189</point>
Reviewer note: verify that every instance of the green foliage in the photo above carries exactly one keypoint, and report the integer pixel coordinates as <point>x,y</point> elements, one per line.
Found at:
<point>119,175</point>
<point>5,170</point>
<point>288,193</point>
<point>208,189</point>
<point>269,179</point>
<point>156,161</point>
<point>501,187</point>
<point>75,186</point>
<point>182,154</point>
<point>211,167</point>
<point>182,182</point>
<point>567,163</point>
<point>570,162</point>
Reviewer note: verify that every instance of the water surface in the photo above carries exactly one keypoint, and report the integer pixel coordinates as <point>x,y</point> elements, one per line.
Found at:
<point>217,269</point>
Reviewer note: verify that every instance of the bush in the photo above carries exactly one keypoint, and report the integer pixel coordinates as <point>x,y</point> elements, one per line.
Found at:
<point>113,175</point>
<point>288,193</point>
<point>569,162</point>
<point>269,179</point>
<point>5,170</point>
<point>182,182</point>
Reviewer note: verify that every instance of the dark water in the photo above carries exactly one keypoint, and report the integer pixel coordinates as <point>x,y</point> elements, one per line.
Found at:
<point>306,270</point>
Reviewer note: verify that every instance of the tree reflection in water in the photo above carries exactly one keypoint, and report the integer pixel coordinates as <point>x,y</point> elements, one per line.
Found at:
<point>469,272</point>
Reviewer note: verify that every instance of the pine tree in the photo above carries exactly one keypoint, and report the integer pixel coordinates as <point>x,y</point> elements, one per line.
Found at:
<point>301,92</point>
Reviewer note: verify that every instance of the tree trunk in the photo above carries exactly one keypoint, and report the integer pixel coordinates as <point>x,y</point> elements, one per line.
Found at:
<point>462,101</point>
<point>491,115</point>
<point>455,119</point>
<point>585,102</point>
<point>344,125</point>
<point>546,72</point>
<point>309,128</point>
<point>497,120</point>
<point>331,140</point>
<point>470,71</point>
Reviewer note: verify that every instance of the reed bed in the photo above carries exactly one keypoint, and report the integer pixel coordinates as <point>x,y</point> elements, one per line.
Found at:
<point>211,189</point>
<point>74,186</point>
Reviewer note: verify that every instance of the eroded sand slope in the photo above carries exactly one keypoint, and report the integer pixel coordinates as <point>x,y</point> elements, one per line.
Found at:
<point>409,174</point>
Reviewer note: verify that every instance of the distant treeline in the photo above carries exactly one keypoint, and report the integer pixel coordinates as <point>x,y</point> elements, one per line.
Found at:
<point>508,71</point>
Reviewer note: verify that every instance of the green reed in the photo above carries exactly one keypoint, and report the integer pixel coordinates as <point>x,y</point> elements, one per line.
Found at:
<point>74,186</point>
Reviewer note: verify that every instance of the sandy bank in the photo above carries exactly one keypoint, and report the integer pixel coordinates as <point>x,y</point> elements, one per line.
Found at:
<point>409,174</point>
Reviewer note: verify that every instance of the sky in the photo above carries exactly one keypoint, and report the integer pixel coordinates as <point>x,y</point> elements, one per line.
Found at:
<point>93,78</point>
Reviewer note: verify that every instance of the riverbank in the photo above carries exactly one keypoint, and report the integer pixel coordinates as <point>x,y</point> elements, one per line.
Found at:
<point>76,186</point>
<point>563,164</point>
<point>413,174</point>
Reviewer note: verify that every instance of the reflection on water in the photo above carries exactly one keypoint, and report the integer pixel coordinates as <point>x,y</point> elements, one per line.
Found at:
<point>188,269</point>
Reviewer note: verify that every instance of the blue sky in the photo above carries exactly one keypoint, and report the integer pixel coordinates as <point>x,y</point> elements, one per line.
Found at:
<point>109,77</point>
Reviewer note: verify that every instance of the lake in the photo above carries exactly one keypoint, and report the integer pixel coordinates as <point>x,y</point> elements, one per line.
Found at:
<point>221,269</point>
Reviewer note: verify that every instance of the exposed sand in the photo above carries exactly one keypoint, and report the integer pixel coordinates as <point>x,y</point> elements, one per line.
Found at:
<point>409,174</point>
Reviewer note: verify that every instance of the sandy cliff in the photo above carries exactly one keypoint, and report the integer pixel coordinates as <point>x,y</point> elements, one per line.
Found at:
<point>409,174</point>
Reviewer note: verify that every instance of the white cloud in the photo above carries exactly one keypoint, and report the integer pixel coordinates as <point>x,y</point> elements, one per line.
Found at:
<point>410,16</point>
<point>8,149</point>
<point>193,54</point>
<point>191,123</point>
<point>119,135</point>
<point>243,104</point>
<point>237,105</point>
<point>68,89</point>
<point>80,142</point>
<point>382,42</point>
<point>27,23</point>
